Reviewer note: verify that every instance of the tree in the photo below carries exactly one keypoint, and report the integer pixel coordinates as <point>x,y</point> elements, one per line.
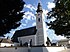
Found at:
<point>61,12</point>
<point>10,14</point>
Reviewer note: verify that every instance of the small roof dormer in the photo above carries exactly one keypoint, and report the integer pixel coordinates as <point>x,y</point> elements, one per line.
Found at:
<point>39,8</point>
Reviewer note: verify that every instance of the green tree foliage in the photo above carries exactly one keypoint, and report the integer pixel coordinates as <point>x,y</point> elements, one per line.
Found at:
<point>61,12</point>
<point>10,14</point>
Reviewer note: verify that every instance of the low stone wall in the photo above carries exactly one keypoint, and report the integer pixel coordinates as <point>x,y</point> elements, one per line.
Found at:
<point>32,49</point>
<point>14,49</point>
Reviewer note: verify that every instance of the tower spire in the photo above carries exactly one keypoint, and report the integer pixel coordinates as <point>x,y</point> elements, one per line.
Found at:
<point>41,36</point>
<point>39,7</point>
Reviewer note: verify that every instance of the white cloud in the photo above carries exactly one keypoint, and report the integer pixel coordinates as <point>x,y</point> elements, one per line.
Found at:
<point>53,37</point>
<point>29,15</point>
<point>45,12</point>
<point>10,34</point>
<point>12,31</point>
<point>52,19</point>
<point>50,5</point>
<point>30,7</point>
<point>34,24</point>
<point>29,20</point>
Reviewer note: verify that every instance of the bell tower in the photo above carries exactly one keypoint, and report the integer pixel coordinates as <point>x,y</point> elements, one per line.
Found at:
<point>41,36</point>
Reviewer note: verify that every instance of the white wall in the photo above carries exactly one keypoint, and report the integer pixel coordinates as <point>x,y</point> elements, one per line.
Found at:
<point>6,44</point>
<point>27,39</point>
<point>16,44</point>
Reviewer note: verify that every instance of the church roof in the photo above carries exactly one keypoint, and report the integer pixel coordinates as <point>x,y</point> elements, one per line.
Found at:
<point>24,32</point>
<point>3,40</point>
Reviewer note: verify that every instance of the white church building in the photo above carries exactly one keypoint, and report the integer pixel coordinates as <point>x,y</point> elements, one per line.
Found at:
<point>35,36</point>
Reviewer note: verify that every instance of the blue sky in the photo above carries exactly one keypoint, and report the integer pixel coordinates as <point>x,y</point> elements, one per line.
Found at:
<point>35,2</point>
<point>29,19</point>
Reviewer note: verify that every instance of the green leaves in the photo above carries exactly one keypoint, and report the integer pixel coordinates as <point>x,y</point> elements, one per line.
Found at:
<point>10,14</point>
<point>62,14</point>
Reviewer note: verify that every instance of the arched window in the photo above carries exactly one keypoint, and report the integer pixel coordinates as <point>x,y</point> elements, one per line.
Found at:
<point>39,19</point>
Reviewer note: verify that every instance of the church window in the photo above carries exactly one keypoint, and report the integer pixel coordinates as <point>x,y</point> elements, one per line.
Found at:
<point>39,19</point>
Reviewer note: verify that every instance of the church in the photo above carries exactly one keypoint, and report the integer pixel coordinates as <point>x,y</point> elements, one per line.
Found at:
<point>35,36</point>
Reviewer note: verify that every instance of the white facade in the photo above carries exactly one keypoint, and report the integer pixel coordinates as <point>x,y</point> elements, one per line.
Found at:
<point>16,44</point>
<point>27,39</point>
<point>6,44</point>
